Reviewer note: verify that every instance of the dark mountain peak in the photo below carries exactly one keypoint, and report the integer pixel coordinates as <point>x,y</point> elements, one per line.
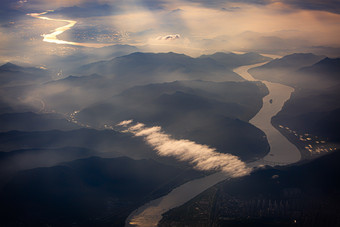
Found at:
<point>119,47</point>
<point>295,61</point>
<point>326,64</point>
<point>327,68</point>
<point>252,54</point>
<point>87,9</point>
<point>218,54</point>
<point>298,56</point>
<point>141,68</point>
<point>231,54</point>
<point>92,76</point>
<point>329,61</point>
<point>10,64</point>
<point>150,61</point>
<point>232,60</point>
<point>148,54</point>
<point>71,77</point>
<point>10,67</point>
<point>81,79</point>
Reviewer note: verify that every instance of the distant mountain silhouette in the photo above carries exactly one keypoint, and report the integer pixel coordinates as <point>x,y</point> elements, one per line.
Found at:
<point>232,60</point>
<point>108,78</point>
<point>140,68</point>
<point>89,9</point>
<point>10,67</point>
<point>76,92</point>
<point>303,71</point>
<point>293,61</point>
<point>69,64</point>
<point>283,70</point>
<point>114,51</point>
<point>13,75</point>
<point>91,81</point>
<point>326,69</point>
<point>321,75</point>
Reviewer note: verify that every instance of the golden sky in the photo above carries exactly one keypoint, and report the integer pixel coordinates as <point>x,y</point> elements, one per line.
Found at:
<point>275,27</point>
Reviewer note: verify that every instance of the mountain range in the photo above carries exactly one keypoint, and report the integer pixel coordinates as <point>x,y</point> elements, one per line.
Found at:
<point>210,113</point>
<point>14,75</point>
<point>198,99</point>
<point>91,191</point>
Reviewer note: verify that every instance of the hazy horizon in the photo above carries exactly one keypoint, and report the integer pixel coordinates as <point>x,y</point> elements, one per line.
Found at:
<point>169,113</point>
<point>189,27</point>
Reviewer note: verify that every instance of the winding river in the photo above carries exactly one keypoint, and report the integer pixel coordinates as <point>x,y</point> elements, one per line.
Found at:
<point>282,152</point>
<point>53,37</point>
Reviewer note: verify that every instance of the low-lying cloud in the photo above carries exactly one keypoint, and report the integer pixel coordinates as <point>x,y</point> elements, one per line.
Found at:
<point>169,37</point>
<point>202,157</point>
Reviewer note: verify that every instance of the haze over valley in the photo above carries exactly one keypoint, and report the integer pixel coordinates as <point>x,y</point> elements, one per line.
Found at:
<point>169,113</point>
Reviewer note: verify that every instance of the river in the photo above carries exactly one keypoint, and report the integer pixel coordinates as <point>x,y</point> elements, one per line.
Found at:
<point>282,152</point>
<point>53,37</point>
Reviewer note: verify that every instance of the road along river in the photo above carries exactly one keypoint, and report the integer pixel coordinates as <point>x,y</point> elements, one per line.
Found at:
<point>282,152</point>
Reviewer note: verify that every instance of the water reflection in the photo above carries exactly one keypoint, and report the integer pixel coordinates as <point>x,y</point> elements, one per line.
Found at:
<point>53,37</point>
<point>282,152</point>
<point>151,213</point>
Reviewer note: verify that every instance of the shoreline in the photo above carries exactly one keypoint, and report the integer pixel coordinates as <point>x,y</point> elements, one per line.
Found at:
<point>152,212</point>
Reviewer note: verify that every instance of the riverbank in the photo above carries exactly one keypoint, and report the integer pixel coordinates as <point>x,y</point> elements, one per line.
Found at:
<point>151,213</point>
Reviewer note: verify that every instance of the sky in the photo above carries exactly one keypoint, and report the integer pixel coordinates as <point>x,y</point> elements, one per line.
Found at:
<point>193,27</point>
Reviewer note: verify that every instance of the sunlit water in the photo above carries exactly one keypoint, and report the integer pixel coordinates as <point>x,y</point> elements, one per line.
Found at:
<point>151,213</point>
<point>282,152</point>
<point>53,37</point>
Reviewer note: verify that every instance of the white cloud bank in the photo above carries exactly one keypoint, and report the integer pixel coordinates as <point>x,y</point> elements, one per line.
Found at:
<point>169,37</point>
<point>202,157</point>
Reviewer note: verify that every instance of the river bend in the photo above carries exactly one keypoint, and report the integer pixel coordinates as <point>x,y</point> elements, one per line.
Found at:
<point>282,152</point>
